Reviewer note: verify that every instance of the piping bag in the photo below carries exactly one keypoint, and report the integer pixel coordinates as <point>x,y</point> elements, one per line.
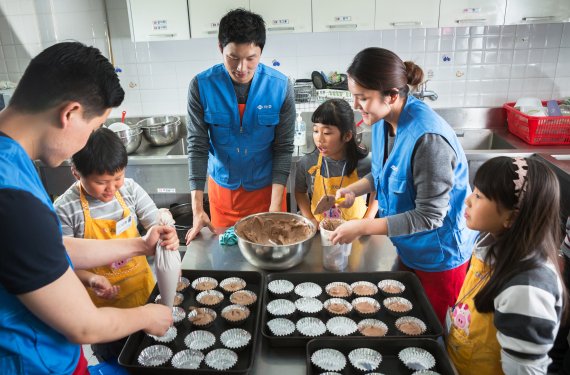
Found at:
<point>167,264</point>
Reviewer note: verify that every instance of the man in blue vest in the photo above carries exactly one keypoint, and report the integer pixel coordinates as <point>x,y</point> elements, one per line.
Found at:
<point>240,129</point>
<point>66,92</point>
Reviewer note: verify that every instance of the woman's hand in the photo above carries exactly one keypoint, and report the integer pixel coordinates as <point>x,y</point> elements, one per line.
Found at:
<point>103,288</point>
<point>348,196</point>
<point>347,232</point>
<point>199,221</point>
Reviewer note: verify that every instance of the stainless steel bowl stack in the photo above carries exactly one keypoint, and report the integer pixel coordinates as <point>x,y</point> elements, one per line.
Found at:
<point>275,257</point>
<point>161,130</point>
<point>131,138</point>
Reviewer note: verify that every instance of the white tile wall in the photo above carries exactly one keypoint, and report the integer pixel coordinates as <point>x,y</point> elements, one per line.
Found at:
<point>471,66</point>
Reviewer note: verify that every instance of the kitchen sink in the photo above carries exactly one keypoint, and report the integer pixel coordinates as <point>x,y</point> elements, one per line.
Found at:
<point>481,139</point>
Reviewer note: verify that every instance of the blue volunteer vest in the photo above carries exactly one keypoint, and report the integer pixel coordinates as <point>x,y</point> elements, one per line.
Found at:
<point>27,345</point>
<point>241,152</point>
<point>440,249</point>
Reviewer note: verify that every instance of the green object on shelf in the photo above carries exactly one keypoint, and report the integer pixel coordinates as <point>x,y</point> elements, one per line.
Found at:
<point>228,238</point>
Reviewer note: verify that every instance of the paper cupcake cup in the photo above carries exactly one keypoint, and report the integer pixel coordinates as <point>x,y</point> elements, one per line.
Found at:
<point>308,306</point>
<point>341,326</point>
<point>281,307</point>
<point>311,327</point>
<point>210,298</point>
<point>178,298</point>
<point>281,326</point>
<point>280,288</point>
<point>365,306</point>
<point>410,326</point>
<point>338,290</point>
<point>416,359</point>
<point>169,336</point>
<point>337,306</point>
<point>372,328</point>
<point>183,283</point>
<point>221,359</point>
<point>398,306</point>
<point>232,284</point>
<point>235,339</point>
<point>235,314</point>
<point>308,289</point>
<point>364,288</point>
<point>178,314</point>
<point>201,317</point>
<point>329,359</point>
<point>204,283</point>
<point>391,288</point>
<point>365,359</point>
<point>200,340</point>
<point>188,359</point>
<point>154,355</point>
<point>243,297</point>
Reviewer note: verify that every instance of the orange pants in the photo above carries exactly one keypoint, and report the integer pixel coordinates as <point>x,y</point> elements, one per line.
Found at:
<point>228,206</point>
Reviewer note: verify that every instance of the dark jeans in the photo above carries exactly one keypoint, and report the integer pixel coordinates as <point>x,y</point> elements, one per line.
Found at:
<point>560,352</point>
<point>108,352</point>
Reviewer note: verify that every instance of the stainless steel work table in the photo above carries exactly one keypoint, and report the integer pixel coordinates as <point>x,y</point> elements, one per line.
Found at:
<point>369,254</point>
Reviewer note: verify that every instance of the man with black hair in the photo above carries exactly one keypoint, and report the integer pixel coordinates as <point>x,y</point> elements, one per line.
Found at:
<point>240,129</point>
<point>66,92</point>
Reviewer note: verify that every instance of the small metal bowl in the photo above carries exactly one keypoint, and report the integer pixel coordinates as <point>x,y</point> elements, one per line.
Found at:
<point>131,138</point>
<point>161,130</point>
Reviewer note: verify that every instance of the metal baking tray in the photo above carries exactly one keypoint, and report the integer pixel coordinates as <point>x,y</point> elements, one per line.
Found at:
<point>414,292</point>
<point>388,347</point>
<point>140,340</point>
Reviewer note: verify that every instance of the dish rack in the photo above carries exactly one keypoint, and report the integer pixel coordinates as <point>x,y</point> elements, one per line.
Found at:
<point>308,98</point>
<point>534,130</point>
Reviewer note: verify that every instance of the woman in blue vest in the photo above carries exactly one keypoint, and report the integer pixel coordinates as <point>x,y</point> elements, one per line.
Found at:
<point>419,173</point>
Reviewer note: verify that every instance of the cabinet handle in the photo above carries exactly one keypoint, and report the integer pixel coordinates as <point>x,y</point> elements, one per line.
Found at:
<point>409,23</point>
<point>284,28</point>
<point>346,26</point>
<point>210,32</point>
<point>544,18</point>
<point>166,35</point>
<point>471,20</point>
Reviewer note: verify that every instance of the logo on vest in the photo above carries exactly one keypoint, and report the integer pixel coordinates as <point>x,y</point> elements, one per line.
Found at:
<point>267,106</point>
<point>394,168</point>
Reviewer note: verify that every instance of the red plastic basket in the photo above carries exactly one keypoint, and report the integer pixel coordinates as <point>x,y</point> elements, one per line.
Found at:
<point>549,130</point>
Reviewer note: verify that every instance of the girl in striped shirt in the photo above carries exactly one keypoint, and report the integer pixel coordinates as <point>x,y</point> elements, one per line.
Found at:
<point>509,309</point>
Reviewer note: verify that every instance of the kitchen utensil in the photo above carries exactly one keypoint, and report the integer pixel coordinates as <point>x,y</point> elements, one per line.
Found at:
<point>123,115</point>
<point>326,203</point>
<point>183,217</point>
<point>161,130</point>
<point>131,135</point>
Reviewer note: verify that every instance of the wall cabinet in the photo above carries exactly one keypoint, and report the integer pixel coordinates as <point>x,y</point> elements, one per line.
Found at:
<point>154,21</point>
<point>532,11</point>
<point>390,14</point>
<point>292,16</point>
<point>205,15</point>
<point>342,15</point>
<point>455,13</point>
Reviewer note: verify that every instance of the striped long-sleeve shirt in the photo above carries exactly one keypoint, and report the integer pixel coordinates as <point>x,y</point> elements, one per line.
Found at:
<point>565,247</point>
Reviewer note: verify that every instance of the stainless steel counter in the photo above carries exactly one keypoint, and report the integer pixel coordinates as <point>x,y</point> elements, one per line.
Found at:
<point>370,253</point>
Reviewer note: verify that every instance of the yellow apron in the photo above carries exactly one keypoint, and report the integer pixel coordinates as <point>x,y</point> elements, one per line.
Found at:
<point>472,340</point>
<point>332,184</point>
<point>133,275</point>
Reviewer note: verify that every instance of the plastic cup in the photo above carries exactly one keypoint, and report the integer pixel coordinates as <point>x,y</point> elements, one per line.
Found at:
<point>335,257</point>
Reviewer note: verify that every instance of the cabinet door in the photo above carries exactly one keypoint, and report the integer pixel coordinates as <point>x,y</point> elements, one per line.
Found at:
<point>205,16</point>
<point>471,12</point>
<point>292,16</point>
<point>532,11</point>
<point>342,15</point>
<point>408,14</point>
<point>154,21</point>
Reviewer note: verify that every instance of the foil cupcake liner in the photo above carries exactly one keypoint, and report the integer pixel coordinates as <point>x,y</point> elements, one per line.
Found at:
<point>235,314</point>
<point>410,326</point>
<point>329,359</point>
<point>398,306</point>
<point>338,290</point>
<point>221,359</point>
<point>428,372</point>
<point>243,297</point>
<point>372,328</point>
<point>416,359</point>
<point>308,289</point>
<point>178,314</point>
<point>281,326</point>
<point>232,284</point>
<point>311,327</point>
<point>183,283</point>
<point>188,359</point>
<point>235,338</point>
<point>169,336</point>
<point>202,317</point>
<point>204,283</point>
<point>341,326</point>
<point>280,287</point>
<point>365,359</point>
<point>391,288</point>
<point>365,306</point>
<point>364,288</point>
<point>178,298</point>
<point>308,306</point>
<point>337,306</point>
<point>330,373</point>
<point>210,298</point>
<point>281,307</point>
<point>200,340</point>
<point>154,355</point>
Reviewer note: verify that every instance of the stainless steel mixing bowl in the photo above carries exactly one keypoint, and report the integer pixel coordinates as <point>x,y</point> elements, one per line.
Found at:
<point>275,257</point>
<point>131,138</point>
<point>161,130</point>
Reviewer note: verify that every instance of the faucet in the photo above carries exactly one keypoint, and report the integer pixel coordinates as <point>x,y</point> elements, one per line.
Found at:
<point>423,92</point>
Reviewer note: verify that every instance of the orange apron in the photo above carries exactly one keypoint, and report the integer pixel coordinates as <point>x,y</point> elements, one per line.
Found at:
<point>133,275</point>
<point>330,185</point>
